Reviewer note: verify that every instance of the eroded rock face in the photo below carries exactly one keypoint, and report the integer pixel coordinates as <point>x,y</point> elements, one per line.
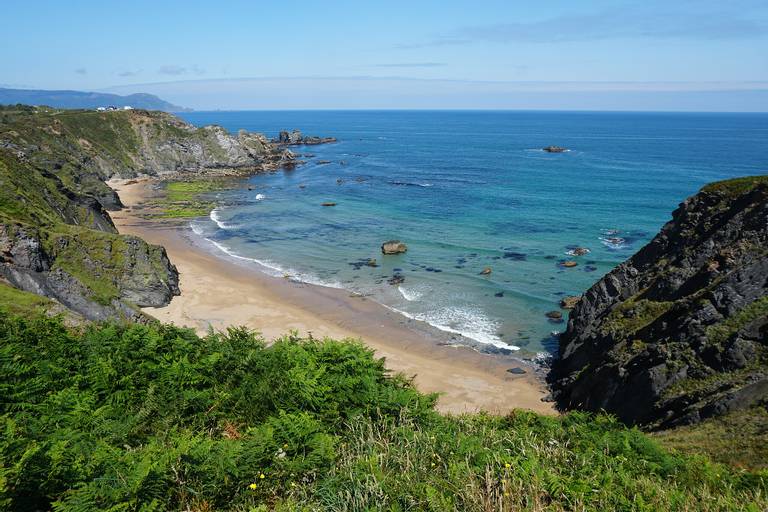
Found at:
<point>131,272</point>
<point>679,332</point>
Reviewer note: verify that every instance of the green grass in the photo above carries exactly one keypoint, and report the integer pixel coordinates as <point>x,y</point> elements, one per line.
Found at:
<point>186,199</point>
<point>156,418</point>
<point>720,332</point>
<point>20,302</point>
<point>634,314</point>
<point>739,439</point>
<point>736,186</point>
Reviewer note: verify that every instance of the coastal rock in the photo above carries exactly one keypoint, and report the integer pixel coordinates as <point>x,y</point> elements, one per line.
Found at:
<point>555,315</point>
<point>578,251</point>
<point>569,302</point>
<point>396,279</point>
<point>679,332</point>
<point>486,271</point>
<point>569,264</point>
<point>393,247</point>
<point>296,138</point>
<point>74,254</point>
<point>328,204</point>
<point>133,272</point>
<point>555,149</point>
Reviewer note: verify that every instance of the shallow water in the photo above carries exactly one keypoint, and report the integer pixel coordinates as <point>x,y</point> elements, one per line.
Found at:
<point>469,190</point>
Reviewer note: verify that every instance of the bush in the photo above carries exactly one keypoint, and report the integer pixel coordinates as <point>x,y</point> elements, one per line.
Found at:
<point>154,417</point>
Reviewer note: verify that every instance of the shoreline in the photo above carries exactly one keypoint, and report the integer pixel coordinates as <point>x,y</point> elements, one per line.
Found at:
<point>218,291</point>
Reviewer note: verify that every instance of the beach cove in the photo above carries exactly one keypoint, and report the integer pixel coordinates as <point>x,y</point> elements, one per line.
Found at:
<point>218,291</point>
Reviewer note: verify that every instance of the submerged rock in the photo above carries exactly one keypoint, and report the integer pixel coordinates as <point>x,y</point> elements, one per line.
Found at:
<point>486,271</point>
<point>555,149</point>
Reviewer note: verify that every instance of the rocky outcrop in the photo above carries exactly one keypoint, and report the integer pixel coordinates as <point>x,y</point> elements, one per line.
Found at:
<point>679,332</point>
<point>56,237</point>
<point>296,138</point>
<point>98,275</point>
<point>393,247</point>
<point>555,149</point>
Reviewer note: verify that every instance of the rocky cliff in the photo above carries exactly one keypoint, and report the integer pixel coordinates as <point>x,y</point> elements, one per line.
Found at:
<point>56,237</point>
<point>679,332</point>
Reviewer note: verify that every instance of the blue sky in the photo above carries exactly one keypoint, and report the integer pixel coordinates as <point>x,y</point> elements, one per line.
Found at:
<point>625,55</point>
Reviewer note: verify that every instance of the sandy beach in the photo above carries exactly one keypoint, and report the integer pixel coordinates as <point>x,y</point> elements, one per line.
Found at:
<point>218,291</point>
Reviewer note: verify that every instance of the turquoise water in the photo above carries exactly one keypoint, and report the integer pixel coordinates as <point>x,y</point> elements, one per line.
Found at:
<point>469,190</point>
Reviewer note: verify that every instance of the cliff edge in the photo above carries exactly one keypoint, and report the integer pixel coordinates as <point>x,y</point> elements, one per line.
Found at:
<point>679,332</point>
<point>57,239</point>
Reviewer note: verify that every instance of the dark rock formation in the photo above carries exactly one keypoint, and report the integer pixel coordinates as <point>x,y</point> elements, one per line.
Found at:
<point>129,271</point>
<point>296,138</point>
<point>555,149</point>
<point>679,332</point>
<point>393,247</point>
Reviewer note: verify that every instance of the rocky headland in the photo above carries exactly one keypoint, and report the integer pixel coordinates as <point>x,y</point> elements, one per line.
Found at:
<point>679,332</point>
<point>56,237</point>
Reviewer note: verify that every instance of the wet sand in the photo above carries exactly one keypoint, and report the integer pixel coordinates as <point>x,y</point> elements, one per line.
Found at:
<point>218,291</point>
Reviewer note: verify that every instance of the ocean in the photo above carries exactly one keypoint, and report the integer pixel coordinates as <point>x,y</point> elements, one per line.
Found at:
<point>466,190</point>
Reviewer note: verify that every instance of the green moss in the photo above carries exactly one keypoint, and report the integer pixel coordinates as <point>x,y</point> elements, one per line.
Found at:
<point>739,439</point>
<point>632,315</point>
<point>736,186</point>
<point>721,332</point>
<point>186,199</point>
<point>712,382</point>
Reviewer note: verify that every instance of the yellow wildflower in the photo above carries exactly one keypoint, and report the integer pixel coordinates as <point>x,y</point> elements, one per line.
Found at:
<point>252,487</point>
<point>261,476</point>
<point>507,465</point>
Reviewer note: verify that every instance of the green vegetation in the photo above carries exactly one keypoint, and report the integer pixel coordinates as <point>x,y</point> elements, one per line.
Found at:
<point>719,333</point>
<point>19,302</point>
<point>739,439</point>
<point>155,418</point>
<point>634,314</point>
<point>736,186</point>
<point>185,199</point>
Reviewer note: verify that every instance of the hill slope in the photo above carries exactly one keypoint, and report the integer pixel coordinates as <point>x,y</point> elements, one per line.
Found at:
<point>82,99</point>
<point>679,332</point>
<point>156,418</point>
<point>56,237</point>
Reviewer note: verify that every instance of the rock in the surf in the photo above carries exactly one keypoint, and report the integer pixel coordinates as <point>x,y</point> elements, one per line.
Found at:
<point>393,247</point>
<point>570,301</point>
<point>555,149</point>
<point>486,271</point>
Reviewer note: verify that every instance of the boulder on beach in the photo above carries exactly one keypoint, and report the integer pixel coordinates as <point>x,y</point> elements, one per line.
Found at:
<point>486,271</point>
<point>569,302</point>
<point>555,149</point>
<point>393,247</point>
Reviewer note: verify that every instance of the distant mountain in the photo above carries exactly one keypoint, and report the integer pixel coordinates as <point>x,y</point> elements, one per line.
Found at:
<point>82,99</point>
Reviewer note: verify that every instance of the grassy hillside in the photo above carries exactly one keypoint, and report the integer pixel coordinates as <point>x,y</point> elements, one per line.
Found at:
<point>156,418</point>
<point>56,237</point>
